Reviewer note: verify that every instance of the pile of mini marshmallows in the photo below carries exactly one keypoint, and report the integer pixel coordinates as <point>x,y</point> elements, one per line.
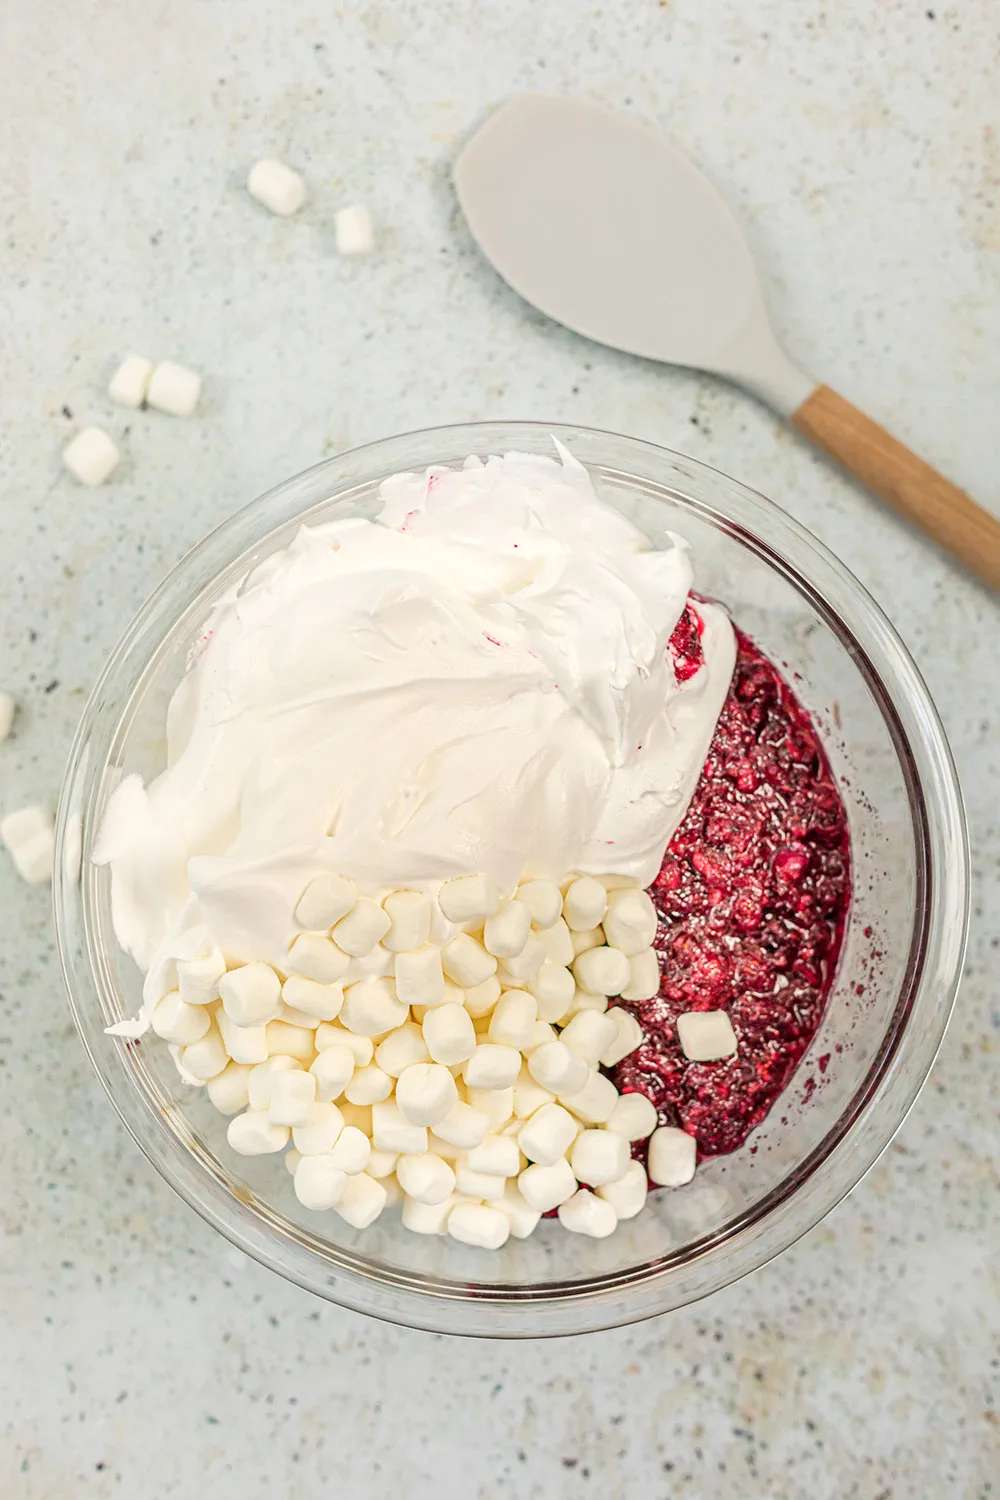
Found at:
<point>459,1079</point>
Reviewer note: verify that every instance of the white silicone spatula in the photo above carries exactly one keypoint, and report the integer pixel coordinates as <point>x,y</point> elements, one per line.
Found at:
<point>602,225</point>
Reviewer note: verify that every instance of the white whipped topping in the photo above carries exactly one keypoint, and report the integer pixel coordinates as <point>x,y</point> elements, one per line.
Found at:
<point>477,681</point>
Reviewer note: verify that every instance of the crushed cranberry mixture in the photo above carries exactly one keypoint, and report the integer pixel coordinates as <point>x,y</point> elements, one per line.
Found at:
<point>752,896</point>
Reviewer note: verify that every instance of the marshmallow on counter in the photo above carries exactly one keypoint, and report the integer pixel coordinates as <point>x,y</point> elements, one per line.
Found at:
<point>630,1036</point>
<point>634,1117</point>
<point>420,977</point>
<point>229,1090</point>
<point>425,1094</point>
<point>353,225</point>
<point>449,1034</point>
<point>644,976</point>
<point>630,921</point>
<point>706,1035</point>
<point>425,1178</point>
<point>467,962</point>
<point>468,898</point>
<point>584,903</point>
<point>8,707</point>
<point>627,1196</point>
<point>322,1002</point>
<point>543,900</point>
<point>319,1184</point>
<point>130,382</point>
<point>409,914</point>
<point>29,838</point>
<point>478,1224</point>
<point>672,1156</point>
<point>333,1069</point>
<point>252,1134</point>
<point>586,1214</point>
<point>173,389</point>
<point>602,971</point>
<point>506,932</point>
<point>372,1007</point>
<point>548,1134</point>
<point>198,978</point>
<point>276,186</point>
<point>362,1200</point>
<point>364,926</point>
<point>324,901</point>
<point>92,456</point>
<point>176,1021</point>
<point>599,1156</point>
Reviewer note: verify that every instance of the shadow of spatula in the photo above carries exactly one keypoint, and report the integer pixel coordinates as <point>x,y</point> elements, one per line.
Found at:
<point>602,225</point>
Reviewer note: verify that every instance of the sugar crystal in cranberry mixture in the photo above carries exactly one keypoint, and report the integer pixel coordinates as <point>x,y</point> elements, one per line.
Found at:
<point>752,897</point>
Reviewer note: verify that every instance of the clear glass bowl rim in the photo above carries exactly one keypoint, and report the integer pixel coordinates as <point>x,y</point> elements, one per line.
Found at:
<point>895,1078</point>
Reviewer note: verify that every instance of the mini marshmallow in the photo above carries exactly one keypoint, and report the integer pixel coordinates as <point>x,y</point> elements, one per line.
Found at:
<point>644,976</point>
<point>297,1017</point>
<point>276,186</point>
<point>291,1041</point>
<point>293,1095</point>
<point>358,1115</point>
<point>673,1155</point>
<point>523,1219</point>
<point>314,957</point>
<point>463,1126</point>
<point>545,1187</point>
<point>548,1135</point>
<point>526,964</point>
<point>8,708</point>
<point>599,1156</point>
<point>333,1070</point>
<point>476,1224</point>
<point>318,1183</point>
<point>706,1035</point>
<point>529,1095</point>
<point>553,987</point>
<point>380,1163</point>
<point>198,978</point>
<point>322,1001</point>
<point>541,1033</point>
<point>353,226</point>
<point>555,1067</point>
<point>185,1076</point>
<point>497,1156</point>
<point>392,1131</point>
<point>409,914</point>
<point>627,1196</point>
<point>481,999</point>
<point>583,1000</point>
<point>426,1178</point>
<point>175,1021</point>
<point>372,1007</point>
<point>584,903</point>
<point>129,383</point>
<point>251,995</point>
<point>477,1184</point>
<point>262,1080</point>
<point>588,1034</point>
<point>426,1218</point>
<point>592,937</point>
<point>513,1019</point>
<point>393,1191</point>
<point>229,1090</point>
<point>496,1104</point>
<point>425,1093</point>
<point>492,1067</point>
<point>29,837</point>
<point>470,898</point>
<point>319,1133</point>
<point>205,1057</point>
<point>452,994</point>
<point>586,1214</point>
<point>368,1086</point>
<point>634,1117</point>
<point>362,1200</point>
<point>630,921</point>
<point>595,1102</point>
<point>419,976</point>
<point>351,1152</point>
<point>543,900</point>
<point>245,1044</point>
<point>292,1158</point>
<point>467,962</point>
<point>401,1049</point>
<point>92,456</point>
<point>252,1134</point>
<point>630,1035</point>
<point>173,389</point>
<point>365,925</point>
<point>506,932</point>
<point>362,1048</point>
<point>602,971</point>
<point>449,1034</point>
<point>557,941</point>
<point>324,901</point>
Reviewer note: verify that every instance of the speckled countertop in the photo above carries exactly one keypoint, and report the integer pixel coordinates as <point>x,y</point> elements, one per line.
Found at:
<point>860,142</point>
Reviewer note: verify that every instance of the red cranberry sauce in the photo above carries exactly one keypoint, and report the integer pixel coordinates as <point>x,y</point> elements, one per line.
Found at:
<point>752,897</point>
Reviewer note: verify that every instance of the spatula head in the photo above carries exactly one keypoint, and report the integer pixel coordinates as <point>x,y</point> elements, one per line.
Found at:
<point>602,225</point>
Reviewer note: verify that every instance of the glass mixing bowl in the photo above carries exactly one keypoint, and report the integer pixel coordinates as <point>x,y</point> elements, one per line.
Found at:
<point>887,1011</point>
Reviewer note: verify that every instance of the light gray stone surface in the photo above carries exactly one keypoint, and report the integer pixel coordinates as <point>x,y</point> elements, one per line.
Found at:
<point>860,142</point>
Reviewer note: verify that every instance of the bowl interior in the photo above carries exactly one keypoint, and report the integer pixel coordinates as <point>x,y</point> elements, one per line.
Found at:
<point>739,1209</point>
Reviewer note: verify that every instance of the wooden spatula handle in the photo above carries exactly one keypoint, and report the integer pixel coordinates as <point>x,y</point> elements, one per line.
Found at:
<point>903,480</point>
